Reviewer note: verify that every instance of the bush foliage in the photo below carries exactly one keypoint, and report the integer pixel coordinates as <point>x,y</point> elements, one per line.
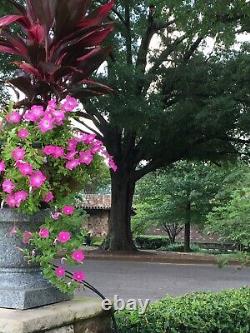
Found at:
<point>151,242</point>
<point>205,312</point>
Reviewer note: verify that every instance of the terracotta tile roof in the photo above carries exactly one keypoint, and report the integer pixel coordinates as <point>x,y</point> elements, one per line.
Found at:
<point>95,201</point>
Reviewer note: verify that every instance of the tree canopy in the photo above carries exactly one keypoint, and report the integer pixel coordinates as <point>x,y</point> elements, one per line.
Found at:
<point>230,218</point>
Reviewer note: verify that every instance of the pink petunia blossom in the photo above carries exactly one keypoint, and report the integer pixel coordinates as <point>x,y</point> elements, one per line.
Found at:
<point>63,237</point>
<point>34,114</point>
<point>60,272</point>
<point>23,133</point>
<point>20,196</point>
<point>52,103</point>
<point>8,186</point>
<point>27,235</point>
<point>44,233</point>
<point>24,168</point>
<point>49,150</point>
<point>46,124</point>
<point>18,154</point>
<point>56,215</point>
<point>37,179</point>
<point>86,157</point>
<point>2,166</point>
<point>78,256</point>
<point>73,164</point>
<point>11,201</point>
<point>54,151</point>
<point>48,197</point>
<point>72,144</point>
<point>71,155</point>
<point>96,148</point>
<point>58,152</point>
<point>68,210</point>
<point>88,138</point>
<point>79,276</point>
<point>59,117</point>
<point>70,104</point>
<point>112,165</point>
<point>13,117</point>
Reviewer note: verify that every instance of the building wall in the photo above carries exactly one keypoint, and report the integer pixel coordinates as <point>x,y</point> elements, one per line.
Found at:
<point>97,222</point>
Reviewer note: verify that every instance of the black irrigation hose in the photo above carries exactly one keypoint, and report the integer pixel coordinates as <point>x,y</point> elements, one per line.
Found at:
<point>97,292</point>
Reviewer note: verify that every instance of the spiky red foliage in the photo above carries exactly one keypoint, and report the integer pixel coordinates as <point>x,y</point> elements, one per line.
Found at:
<point>59,46</point>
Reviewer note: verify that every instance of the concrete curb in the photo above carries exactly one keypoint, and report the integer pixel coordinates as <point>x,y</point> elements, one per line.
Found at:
<point>176,258</point>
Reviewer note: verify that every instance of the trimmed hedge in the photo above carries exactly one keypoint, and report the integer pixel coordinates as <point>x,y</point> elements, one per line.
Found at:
<point>151,242</point>
<point>224,312</point>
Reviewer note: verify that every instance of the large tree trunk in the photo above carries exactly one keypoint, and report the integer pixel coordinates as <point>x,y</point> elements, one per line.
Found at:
<point>120,235</point>
<point>187,232</point>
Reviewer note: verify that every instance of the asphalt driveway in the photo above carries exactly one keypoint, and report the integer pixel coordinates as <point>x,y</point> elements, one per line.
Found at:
<point>154,280</point>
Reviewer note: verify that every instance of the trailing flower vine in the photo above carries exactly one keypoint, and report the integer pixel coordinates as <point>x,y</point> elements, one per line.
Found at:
<point>42,160</point>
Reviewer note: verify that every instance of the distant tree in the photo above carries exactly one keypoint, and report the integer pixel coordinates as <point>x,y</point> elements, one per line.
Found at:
<point>230,218</point>
<point>178,196</point>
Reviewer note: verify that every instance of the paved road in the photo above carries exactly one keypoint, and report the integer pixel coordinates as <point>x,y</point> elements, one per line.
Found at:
<point>154,280</point>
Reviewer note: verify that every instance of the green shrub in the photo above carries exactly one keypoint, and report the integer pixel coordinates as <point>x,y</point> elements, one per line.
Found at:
<point>224,312</point>
<point>151,242</point>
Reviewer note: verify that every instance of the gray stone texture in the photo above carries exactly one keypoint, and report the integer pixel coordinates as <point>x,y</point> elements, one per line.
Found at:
<point>84,315</point>
<point>22,285</point>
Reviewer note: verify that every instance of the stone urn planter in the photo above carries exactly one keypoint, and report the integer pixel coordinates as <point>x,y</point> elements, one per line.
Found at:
<point>22,285</point>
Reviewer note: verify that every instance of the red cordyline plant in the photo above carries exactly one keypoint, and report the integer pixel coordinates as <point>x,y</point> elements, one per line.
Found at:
<point>59,47</point>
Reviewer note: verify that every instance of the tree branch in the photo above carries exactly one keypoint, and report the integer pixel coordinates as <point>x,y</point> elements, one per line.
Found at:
<point>128,34</point>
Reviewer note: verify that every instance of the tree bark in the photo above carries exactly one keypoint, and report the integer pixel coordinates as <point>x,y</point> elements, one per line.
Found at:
<point>120,235</point>
<point>187,232</point>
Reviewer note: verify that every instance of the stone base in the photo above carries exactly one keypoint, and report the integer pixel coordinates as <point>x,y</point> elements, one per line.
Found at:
<point>83,315</point>
<point>27,289</point>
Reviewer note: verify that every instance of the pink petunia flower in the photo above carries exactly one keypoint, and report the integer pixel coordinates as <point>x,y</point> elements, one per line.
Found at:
<point>88,138</point>
<point>86,157</point>
<point>2,166</point>
<point>46,124</point>
<point>23,133</point>
<point>54,151</point>
<point>59,117</point>
<point>58,152</point>
<point>11,201</point>
<point>56,215</point>
<point>24,168</point>
<point>44,233</point>
<point>37,179</point>
<point>73,164</point>
<point>60,272</point>
<point>78,256</point>
<point>52,103</point>
<point>72,144</point>
<point>48,197</point>
<point>8,186</point>
<point>34,114</point>
<point>20,196</point>
<point>112,165</point>
<point>68,210</point>
<point>79,276</point>
<point>13,117</point>
<point>96,148</point>
<point>63,237</point>
<point>27,235</point>
<point>70,104</point>
<point>18,154</point>
<point>71,155</point>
